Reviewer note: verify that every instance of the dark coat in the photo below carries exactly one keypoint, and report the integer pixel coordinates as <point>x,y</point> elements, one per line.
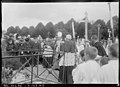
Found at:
<point>68,46</point>
<point>101,50</point>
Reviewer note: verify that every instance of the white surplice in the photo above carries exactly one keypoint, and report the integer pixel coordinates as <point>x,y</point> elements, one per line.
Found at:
<point>108,74</point>
<point>84,73</point>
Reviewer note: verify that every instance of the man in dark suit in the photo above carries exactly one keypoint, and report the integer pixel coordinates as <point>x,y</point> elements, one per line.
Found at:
<point>98,45</point>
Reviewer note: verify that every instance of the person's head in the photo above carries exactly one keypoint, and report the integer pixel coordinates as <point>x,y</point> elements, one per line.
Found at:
<point>104,60</point>
<point>116,40</point>
<point>114,51</point>
<point>82,55</point>
<point>94,38</point>
<point>27,39</point>
<point>91,53</point>
<point>68,37</point>
<point>28,36</point>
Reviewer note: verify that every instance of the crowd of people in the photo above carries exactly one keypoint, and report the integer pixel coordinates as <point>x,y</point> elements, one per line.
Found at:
<point>99,63</point>
<point>78,61</point>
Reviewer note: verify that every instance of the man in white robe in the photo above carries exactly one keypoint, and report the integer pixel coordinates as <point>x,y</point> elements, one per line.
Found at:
<point>85,71</point>
<point>108,74</point>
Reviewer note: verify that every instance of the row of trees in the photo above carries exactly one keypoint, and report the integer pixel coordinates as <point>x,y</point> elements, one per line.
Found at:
<point>50,30</point>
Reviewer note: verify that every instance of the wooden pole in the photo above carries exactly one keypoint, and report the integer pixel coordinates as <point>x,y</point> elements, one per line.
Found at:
<point>98,32</point>
<point>73,30</point>
<point>111,22</point>
<point>86,36</point>
<point>74,41</point>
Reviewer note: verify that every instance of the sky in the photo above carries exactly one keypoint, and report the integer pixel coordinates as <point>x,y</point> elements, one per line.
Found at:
<point>30,14</point>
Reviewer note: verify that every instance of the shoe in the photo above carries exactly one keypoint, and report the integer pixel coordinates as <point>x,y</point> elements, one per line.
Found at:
<point>57,69</point>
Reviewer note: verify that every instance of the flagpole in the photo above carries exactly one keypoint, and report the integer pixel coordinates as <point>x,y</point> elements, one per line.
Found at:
<point>86,28</point>
<point>111,22</point>
<point>98,32</point>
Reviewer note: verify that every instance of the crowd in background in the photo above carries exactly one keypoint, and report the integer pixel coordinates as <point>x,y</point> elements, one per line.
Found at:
<point>81,62</point>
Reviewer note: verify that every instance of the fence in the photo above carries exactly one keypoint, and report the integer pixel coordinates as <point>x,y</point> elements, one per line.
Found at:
<point>31,57</point>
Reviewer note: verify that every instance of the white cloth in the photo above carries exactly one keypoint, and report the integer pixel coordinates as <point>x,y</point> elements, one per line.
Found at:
<point>48,51</point>
<point>108,74</point>
<point>85,71</point>
<point>80,48</point>
<point>67,60</point>
<point>58,45</point>
<point>106,49</point>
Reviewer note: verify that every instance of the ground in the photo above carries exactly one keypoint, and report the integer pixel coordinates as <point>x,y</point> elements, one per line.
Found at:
<point>45,75</point>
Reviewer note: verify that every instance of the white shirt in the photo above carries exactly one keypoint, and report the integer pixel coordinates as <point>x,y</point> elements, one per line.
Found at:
<point>80,48</point>
<point>108,74</point>
<point>84,72</point>
<point>48,51</point>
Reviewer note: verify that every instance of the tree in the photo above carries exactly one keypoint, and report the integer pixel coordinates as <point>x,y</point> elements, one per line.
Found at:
<point>59,25</point>
<point>11,29</point>
<point>39,29</point>
<point>24,31</point>
<point>115,25</point>
<point>50,29</point>
<point>81,30</point>
<point>32,31</point>
<point>17,29</point>
<point>68,26</point>
<point>103,30</point>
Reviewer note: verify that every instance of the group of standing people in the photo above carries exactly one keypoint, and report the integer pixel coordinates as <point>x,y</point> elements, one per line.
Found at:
<point>78,64</point>
<point>97,66</point>
<point>92,63</point>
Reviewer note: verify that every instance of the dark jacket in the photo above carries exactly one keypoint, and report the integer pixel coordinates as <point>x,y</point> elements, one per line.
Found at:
<point>68,46</point>
<point>101,50</point>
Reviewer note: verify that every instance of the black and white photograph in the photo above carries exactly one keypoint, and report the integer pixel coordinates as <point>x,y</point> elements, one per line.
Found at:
<point>60,43</point>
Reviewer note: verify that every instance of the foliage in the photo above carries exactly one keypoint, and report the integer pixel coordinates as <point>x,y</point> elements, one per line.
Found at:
<point>50,30</point>
<point>6,75</point>
<point>24,31</point>
<point>115,25</point>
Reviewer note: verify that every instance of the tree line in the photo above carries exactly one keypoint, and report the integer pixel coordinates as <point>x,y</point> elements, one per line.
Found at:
<point>50,29</point>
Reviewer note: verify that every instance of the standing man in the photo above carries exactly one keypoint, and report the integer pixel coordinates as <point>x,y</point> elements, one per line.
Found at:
<point>67,62</point>
<point>84,72</point>
<point>98,45</point>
